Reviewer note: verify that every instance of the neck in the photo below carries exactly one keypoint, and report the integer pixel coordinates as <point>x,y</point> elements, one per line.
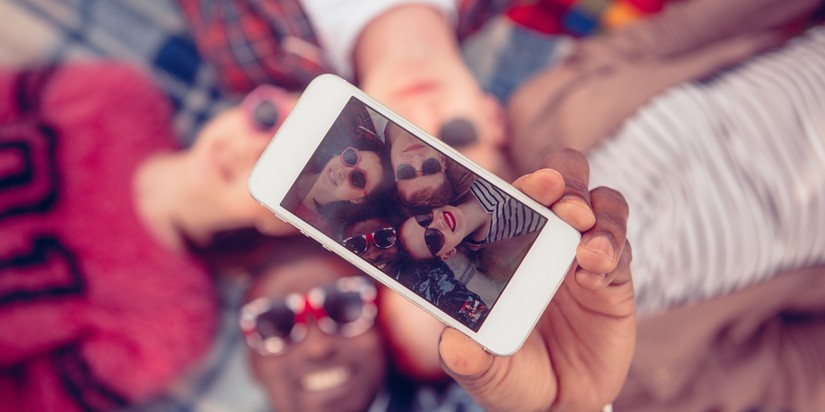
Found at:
<point>478,221</point>
<point>308,192</point>
<point>168,206</point>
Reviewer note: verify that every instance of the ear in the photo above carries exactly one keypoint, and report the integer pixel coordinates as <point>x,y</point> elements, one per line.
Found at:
<point>449,254</point>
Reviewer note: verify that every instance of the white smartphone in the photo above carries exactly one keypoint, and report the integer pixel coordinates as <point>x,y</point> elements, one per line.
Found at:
<point>414,214</point>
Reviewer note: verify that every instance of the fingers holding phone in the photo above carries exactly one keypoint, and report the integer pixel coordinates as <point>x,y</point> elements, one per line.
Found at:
<point>578,354</point>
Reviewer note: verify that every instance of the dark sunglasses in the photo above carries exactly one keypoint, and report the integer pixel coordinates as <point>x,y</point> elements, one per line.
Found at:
<point>430,166</point>
<point>265,107</point>
<point>382,238</point>
<point>357,176</point>
<point>345,308</point>
<point>433,238</point>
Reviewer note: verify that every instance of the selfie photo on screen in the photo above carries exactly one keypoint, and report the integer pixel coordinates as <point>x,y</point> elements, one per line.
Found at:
<point>406,208</point>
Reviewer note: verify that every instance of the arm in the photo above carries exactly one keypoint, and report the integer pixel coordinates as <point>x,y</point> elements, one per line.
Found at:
<point>688,25</point>
<point>584,100</point>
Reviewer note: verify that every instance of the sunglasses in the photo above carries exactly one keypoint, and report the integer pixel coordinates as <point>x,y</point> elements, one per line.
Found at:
<point>265,107</point>
<point>430,166</point>
<point>433,238</point>
<point>344,308</point>
<point>382,238</point>
<point>357,176</point>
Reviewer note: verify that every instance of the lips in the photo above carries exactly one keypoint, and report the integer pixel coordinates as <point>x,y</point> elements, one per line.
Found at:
<point>449,219</point>
<point>413,147</point>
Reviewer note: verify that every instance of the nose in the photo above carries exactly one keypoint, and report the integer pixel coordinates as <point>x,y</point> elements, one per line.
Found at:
<point>371,253</point>
<point>255,146</point>
<point>438,220</point>
<point>318,345</point>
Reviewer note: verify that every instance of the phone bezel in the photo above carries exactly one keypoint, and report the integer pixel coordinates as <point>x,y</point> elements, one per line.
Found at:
<point>531,287</point>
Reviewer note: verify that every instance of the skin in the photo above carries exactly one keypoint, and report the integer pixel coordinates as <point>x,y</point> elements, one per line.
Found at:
<point>409,59</point>
<point>332,184</point>
<point>384,259</point>
<point>456,223</point>
<point>209,191</point>
<point>407,149</point>
<point>284,377</point>
<point>578,355</point>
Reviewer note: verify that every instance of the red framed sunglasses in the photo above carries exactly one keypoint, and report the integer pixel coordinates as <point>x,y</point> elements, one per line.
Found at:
<point>347,307</point>
<point>357,177</point>
<point>266,107</point>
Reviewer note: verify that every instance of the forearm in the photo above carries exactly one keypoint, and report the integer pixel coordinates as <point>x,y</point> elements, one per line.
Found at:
<point>692,24</point>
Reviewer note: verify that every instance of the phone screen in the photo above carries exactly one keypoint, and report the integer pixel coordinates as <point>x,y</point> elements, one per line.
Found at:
<point>409,210</point>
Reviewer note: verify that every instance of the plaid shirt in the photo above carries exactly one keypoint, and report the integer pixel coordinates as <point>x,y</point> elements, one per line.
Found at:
<point>250,42</point>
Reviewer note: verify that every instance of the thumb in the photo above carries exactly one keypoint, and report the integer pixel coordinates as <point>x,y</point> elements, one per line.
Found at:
<point>493,382</point>
<point>462,358</point>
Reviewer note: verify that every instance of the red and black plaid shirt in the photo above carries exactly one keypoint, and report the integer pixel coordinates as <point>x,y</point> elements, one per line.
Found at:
<point>251,42</point>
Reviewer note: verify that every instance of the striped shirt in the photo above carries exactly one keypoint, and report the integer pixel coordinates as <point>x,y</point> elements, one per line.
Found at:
<point>725,178</point>
<point>510,217</point>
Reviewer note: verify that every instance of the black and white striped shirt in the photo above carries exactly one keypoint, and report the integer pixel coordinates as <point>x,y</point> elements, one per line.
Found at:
<point>725,178</point>
<point>510,217</point>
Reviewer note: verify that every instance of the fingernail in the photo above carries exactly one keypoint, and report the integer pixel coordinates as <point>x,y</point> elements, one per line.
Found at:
<point>601,245</point>
<point>576,201</point>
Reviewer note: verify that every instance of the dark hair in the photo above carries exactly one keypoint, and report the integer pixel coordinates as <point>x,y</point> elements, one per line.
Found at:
<point>353,128</point>
<point>236,250</point>
<point>434,281</point>
<point>291,249</point>
<point>383,213</point>
<point>427,199</point>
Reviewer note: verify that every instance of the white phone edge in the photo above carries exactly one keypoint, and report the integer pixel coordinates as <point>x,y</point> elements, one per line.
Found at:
<point>530,289</point>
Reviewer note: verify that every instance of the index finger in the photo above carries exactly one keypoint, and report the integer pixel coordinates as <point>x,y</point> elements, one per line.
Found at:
<point>574,206</point>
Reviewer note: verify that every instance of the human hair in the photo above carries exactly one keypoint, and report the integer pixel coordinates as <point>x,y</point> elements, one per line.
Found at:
<point>427,199</point>
<point>433,280</point>
<point>385,213</point>
<point>291,249</point>
<point>403,251</point>
<point>235,250</point>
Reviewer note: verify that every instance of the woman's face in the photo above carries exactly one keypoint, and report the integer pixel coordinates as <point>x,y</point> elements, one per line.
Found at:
<point>406,151</point>
<point>385,259</point>
<point>351,176</point>
<point>422,235</point>
<point>322,372</point>
<point>222,156</point>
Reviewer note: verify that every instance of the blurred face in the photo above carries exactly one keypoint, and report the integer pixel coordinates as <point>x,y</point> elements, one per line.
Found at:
<point>323,372</point>
<point>369,233</point>
<point>227,148</point>
<point>434,234</point>
<point>351,176</point>
<point>442,95</point>
<point>417,166</point>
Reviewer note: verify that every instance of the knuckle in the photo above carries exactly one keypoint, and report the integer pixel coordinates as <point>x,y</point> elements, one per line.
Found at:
<point>609,219</point>
<point>611,200</point>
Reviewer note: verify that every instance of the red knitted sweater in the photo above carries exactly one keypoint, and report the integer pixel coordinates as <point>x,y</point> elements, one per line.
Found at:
<point>94,313</point>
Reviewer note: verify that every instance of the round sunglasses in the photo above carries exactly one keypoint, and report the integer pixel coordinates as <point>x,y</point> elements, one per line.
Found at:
<point>429,166</point>
<point>345,308</point>
<point>433,238</point>
<point>383,238</point>
<point>357,177</point>
<point>265,107</point>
